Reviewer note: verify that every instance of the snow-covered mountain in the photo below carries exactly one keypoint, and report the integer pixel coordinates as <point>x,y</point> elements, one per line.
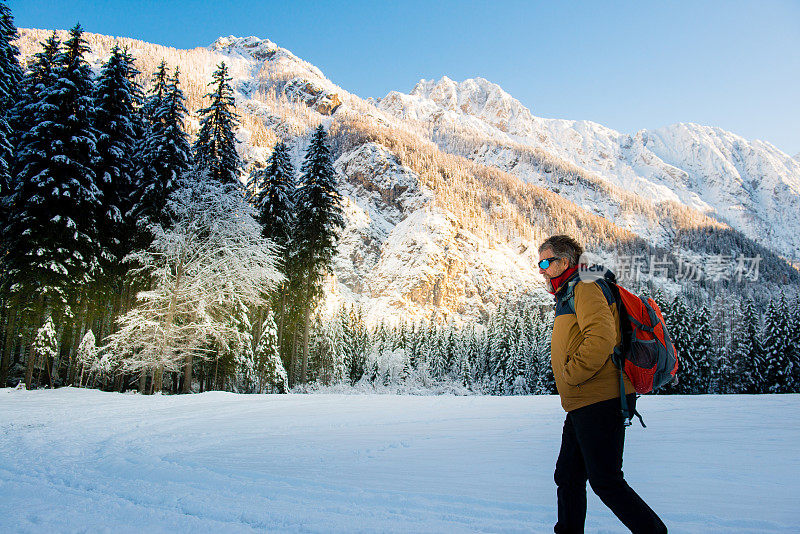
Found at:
<point>751,185</point>
<point>435,224</point>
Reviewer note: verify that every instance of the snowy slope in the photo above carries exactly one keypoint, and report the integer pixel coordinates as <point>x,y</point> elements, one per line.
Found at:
<point>84,460</point>
<point>749,184</point>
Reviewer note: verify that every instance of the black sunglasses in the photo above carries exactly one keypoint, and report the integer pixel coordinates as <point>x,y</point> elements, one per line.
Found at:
<point>545,263</point>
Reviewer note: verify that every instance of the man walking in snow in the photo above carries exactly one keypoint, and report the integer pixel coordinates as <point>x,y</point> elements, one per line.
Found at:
<point>587,380</point>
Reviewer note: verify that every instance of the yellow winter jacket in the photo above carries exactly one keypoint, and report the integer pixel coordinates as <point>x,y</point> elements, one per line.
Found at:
<point>582,344</point>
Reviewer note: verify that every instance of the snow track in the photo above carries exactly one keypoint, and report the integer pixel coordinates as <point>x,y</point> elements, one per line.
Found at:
<point>86,461</point>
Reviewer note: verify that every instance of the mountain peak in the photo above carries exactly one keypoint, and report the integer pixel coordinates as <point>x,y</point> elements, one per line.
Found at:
<point>264,50</point>
<point>477,97</point>
<point>247,46</point>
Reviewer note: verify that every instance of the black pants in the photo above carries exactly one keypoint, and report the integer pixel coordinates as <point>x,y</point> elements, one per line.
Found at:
<point>591,449</point>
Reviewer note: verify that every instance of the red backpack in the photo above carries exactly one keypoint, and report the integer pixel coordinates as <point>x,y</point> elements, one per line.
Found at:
<point>646,353</point>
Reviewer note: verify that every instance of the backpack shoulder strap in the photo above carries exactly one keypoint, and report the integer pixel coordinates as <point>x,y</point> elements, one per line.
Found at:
<point>569,296</point>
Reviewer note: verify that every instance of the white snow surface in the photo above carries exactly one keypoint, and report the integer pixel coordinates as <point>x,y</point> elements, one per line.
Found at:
<point>88,461</point>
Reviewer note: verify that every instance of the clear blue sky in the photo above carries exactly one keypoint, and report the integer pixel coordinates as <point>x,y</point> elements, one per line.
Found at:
<point>627,65</point>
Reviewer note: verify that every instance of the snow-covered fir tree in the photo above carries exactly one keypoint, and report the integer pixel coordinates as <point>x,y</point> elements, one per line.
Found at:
<point>272,188</point>
<point>500,353</point>
<point>546,382</point>
<point>681,327</point>
<point>793,312</point>
<point>703,350</point>
<point>518,369</point>
<point>271,191</point>
<point>165,153</point>
<point>328,351</point>
<point>747,354</point>
<point>355,341</point>
<point>51,246</point>
<point>318,204</point>
<point>215,147</point>
<point>726,318</point>
<point>234,367</point>
<point>44,349</point>
<point>10,79</point>
<point>779,364</point>
<point>117,122</point>
<point>87,354</point>
<point>155,94</point>
<point>437,359</point>
<point>269,367</point>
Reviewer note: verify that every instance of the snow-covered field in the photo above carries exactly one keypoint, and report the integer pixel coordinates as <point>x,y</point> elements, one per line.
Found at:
<point>86,461</point>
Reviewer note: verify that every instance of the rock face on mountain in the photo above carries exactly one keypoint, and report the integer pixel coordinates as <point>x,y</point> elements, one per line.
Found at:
<point>400,253</point>
<point>751,185</point>
<point>312,95</point>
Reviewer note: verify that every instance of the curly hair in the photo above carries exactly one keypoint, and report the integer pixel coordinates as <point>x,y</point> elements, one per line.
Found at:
<point>563,246</point>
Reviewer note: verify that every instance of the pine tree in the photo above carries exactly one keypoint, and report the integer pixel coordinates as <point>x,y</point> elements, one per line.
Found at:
<point>20,119</point>
<point>328,351</point>
<point>354,343</point>
<point>156,94</point>
<point>464,371</point>
<point>747,353</point>
<point>272,189</point>
<point>116,119</point>
<point>39,76</point>
<point>527,346</point>
<point>679,325</point>
<point>480,369</point>
<point>10,79</point>
<point>546,382</point>
<point>500,353</point>
<point>318,205</point>
<point>52,247</point>
<point>165,153</point>
<point>518,368</point>
<point>778,372</point>
<point>703,349</point>
<point>87,354</point>
<point>271,373</point>
<point>437,364</point>
<point>45,347</point>
<point>215,148</point>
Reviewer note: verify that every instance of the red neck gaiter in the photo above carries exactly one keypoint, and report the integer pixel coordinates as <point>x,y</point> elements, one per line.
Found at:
<point>558,280</point>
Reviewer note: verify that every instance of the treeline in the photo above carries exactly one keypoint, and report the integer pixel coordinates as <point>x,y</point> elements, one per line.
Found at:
<point>725,345</point>
<point>131,257</point>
